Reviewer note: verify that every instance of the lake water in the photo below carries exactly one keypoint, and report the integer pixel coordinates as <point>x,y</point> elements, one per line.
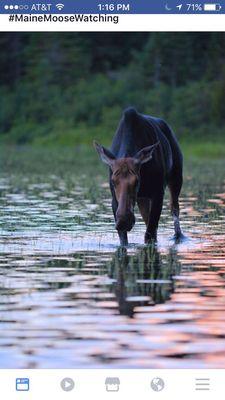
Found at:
<point>70,298</point>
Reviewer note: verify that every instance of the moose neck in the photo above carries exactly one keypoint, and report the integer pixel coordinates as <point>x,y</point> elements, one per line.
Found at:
<point>128,145</point>
<point>134,132</point>
<point>125,142</point>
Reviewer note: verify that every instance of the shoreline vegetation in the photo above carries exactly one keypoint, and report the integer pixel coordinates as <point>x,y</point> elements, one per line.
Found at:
<point>67,89</point>
<point>41,160</point>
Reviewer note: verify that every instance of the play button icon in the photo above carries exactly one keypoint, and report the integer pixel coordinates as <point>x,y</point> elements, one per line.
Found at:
<point>67,384</point>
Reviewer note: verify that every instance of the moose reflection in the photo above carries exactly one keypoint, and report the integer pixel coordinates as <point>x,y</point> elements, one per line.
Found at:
<point>143,279</point>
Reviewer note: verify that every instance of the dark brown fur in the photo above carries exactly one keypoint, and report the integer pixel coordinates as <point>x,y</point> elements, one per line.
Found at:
<point>144,158</point>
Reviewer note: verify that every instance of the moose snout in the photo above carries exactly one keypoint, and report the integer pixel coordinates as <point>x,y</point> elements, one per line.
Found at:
<point>125,222</point>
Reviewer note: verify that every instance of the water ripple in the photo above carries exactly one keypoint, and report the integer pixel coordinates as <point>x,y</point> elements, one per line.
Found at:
<point>69,297</point>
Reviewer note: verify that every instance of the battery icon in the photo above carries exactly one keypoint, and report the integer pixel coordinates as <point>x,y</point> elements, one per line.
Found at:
<point>212,7</point>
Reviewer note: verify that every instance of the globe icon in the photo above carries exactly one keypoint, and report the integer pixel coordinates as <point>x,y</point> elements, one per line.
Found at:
<point>157,384</point>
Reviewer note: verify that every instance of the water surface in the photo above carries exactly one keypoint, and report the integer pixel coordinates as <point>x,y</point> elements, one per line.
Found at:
<point>69,297</point>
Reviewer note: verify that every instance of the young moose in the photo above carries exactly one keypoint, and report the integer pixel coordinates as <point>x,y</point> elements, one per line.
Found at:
<point>144,158</point>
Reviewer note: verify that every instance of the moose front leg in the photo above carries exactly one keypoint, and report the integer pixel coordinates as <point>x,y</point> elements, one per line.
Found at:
<point>144,208</point>
<point>122,234</point>
<point>123,238</point>
<point>154,216</point>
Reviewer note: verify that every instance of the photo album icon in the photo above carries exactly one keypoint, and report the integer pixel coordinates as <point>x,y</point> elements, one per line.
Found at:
<point>22,384</point>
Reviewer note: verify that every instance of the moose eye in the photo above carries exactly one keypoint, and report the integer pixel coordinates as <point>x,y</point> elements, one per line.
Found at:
<point>114,183</point>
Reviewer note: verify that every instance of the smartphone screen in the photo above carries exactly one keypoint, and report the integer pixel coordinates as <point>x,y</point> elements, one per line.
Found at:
<point>112,195</point>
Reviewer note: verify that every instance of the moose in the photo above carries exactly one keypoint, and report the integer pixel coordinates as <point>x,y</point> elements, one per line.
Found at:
<point>144,158</point>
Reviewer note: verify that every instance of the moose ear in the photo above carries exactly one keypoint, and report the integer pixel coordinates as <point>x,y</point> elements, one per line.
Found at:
<point>145,154</point>
<point>106,156</point>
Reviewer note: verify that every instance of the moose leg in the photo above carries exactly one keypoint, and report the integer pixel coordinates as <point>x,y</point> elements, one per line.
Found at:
<point>123,238</point>
<point>144,208</point>
<point>122,234</point>
<point>175,188</point>
<point>154,215</point>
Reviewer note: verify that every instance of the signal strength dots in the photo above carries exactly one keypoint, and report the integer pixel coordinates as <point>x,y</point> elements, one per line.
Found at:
<point>60,6</point>
<point>11,7</point>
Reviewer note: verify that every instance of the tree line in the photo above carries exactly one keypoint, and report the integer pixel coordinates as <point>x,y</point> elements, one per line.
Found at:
<point>66,88</point>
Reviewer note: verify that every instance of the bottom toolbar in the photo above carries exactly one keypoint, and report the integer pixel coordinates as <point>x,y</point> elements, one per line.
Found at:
<point>117,383</point>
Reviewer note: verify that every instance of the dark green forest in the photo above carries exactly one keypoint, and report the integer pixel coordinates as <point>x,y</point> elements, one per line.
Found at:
<point>71,88</point>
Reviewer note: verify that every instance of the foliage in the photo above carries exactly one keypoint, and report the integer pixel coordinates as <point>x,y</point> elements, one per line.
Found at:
<point>69,88</point>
